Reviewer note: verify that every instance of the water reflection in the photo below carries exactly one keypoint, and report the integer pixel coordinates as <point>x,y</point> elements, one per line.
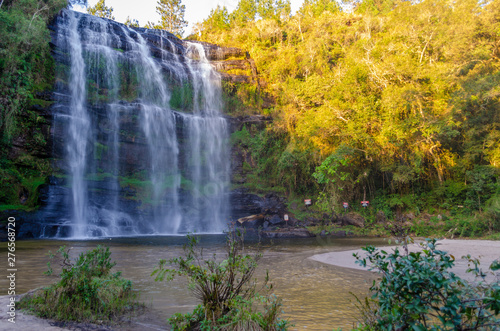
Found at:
<point>315,296</point>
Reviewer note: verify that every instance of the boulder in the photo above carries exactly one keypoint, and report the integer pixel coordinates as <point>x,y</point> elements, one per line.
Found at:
<point>275,220</point>
<point>353,218</point>
<point>380,217</point>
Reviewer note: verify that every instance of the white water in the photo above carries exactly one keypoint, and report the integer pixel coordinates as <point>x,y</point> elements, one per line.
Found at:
<point>176,183</point>
<point>78,130</point>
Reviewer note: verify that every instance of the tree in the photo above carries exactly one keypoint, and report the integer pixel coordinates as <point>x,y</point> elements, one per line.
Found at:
<point>172,16</point>
<point>101,10</point>
<point>274,9</point>
<point>131,22</point>
<point>217,20</point>
<point>283,9</point>
<point>265,9</point>
<point>245,12</point>
<point>315,8</point>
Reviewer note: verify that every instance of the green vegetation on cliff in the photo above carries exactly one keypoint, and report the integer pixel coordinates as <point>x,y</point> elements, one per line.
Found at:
<point>392,101</point>
<point>27,68</point>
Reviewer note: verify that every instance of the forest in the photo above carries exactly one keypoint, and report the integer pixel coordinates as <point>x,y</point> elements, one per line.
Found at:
<point>395,102</point>
<point>392,101</point>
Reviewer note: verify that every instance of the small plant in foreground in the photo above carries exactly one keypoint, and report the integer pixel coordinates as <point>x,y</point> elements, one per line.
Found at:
<point>86,292</point>
<point>226,289</point>
<point>418,292</point>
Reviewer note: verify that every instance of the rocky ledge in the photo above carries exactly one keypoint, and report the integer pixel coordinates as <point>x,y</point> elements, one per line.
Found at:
<point>269,217</point>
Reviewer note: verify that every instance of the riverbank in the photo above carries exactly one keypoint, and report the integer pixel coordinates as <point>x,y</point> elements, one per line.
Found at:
<point>485,250</point>
<point>148,320</point>
<point>22,320</point>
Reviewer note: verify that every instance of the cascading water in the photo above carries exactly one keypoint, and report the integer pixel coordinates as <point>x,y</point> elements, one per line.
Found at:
<point>78,129</point>
<point>208,132</point>
<point>146,144</point>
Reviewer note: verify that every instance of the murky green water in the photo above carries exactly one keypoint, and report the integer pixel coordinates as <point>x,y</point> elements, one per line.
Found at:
<point>315,296</point>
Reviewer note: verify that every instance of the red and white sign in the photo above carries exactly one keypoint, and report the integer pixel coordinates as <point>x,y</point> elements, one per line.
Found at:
<point>365,203</point>
<point>346,205</point>
<point>307,202</point>
<point>285,217</point>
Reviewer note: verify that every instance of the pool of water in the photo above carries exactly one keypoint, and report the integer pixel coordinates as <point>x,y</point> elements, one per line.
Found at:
<point>315,296</point>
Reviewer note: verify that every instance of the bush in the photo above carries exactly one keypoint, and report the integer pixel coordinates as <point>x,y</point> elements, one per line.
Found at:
<point>418,292</point>
<point>86,292</point>
<point>226,289</point>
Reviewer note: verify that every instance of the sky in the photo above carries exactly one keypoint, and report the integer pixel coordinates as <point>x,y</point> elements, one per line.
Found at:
<point>196,10</point>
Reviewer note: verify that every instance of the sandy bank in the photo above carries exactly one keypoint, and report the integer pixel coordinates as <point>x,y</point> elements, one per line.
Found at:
<point>486,250</point>
<point>22,321</point>
<point>150,320</point>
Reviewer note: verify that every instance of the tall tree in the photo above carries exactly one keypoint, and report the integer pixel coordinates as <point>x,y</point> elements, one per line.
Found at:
<point>245,12</point>
<point>315,8</point>
<point>217,20</point>
<point>274,9</point>
<point>283,9</point>
<point>172,16</point>
<point>101,10</point>
<point>265,9</point>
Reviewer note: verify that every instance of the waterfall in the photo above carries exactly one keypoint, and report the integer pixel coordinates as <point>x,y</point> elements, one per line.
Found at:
<point>145,143</point>
<point>78,129</point>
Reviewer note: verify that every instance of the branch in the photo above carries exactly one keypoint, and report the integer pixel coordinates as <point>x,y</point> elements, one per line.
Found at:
<point>45,7</point>
<point>425,47</point>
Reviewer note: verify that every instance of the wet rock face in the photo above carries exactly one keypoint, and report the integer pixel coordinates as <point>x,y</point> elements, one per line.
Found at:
<point>259,212</point>
<point>244,204</point>
<point>272,204</point>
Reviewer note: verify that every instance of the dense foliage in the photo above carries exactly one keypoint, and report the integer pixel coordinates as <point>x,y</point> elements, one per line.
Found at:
<point>226,289</point>
<point>417,291</point>
<point>87,290</point>
<point>26,68</point>
<point>392,99</point>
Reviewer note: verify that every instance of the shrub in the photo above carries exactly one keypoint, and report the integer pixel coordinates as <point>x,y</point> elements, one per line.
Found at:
<point>418,292</point>
<point>86,292</point>
<point>226,289</point>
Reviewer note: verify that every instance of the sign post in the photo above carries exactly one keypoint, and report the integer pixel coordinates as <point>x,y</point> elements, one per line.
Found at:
<point>285,217</point>
<point>307,202</point>
<point>365,204</point>
<point>345,205</point>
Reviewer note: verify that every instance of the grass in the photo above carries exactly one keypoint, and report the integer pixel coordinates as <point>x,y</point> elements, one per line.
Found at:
<point>15,207</point>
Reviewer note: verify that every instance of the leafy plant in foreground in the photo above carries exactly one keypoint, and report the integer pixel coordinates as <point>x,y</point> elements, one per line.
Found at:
<point>86,292</point>
<point>418,292</point>
<point>226,289</point>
